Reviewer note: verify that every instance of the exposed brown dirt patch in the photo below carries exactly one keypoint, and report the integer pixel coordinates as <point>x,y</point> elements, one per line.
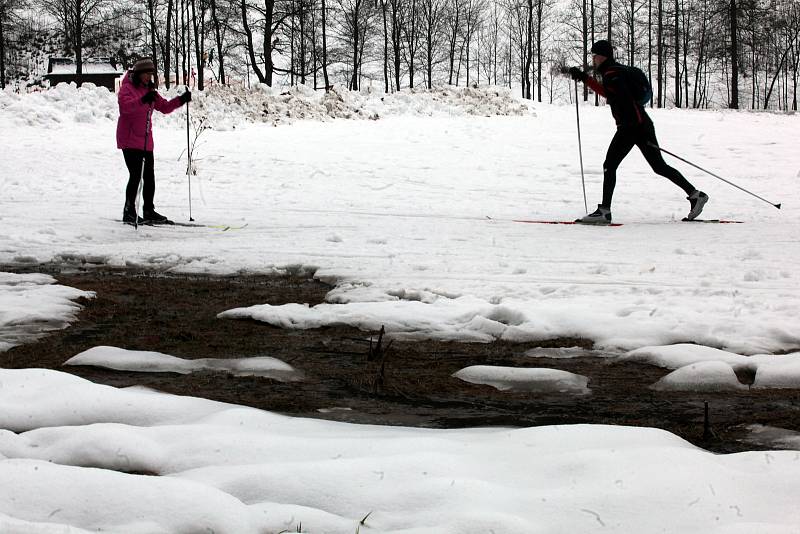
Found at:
<point>176,315</point>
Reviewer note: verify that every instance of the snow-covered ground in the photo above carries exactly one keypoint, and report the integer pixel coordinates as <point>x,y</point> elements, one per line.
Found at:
<point>132,460</point>
<point>410,216</point>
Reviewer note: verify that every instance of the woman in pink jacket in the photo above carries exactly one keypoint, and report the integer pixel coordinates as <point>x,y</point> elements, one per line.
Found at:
<point>137,99</point>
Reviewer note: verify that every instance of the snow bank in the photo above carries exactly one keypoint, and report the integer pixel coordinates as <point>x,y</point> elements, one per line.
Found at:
<point>702,376</point>
<point>32,398</point>
<point>32,304</point>
<point>533,380</point>
<point>107,460</point>
<point>702,368</point>
<point>224,108</point>
<point>156,362</point>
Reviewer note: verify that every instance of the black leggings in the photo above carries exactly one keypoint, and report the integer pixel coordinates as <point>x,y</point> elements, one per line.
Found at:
<point>644,137</point>
<point>133,159</point>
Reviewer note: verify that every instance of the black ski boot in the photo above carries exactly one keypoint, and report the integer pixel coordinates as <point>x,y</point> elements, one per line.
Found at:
<point>129,215</point>
<point>151,216</point>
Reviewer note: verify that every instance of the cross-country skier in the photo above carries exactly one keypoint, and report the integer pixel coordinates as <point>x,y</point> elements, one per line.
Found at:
<point>634,127</point>
<point>137,98</point>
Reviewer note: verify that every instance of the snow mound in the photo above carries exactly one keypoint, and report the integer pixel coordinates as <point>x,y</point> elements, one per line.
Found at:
<point>683,354</point>
<point>536,380</point>
<point>224,108</point>
<point>784,373</point>
<point>33,304</point>
<point>771,371</point>
<point>701,376</point>
<point>156,362</point>
<point>224,468</point>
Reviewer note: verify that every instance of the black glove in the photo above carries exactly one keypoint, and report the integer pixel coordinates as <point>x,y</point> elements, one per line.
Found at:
<point>149,97</point>
<point>185,97</point>
<point>577,74</point>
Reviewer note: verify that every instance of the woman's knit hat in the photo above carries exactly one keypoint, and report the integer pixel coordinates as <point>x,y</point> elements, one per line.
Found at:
<point>144,65</point>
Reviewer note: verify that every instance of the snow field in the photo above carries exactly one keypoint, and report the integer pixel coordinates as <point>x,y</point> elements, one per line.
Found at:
<point>393,213</point>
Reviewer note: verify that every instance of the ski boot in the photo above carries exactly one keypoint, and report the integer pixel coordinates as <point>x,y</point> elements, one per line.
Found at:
<point>600,216</point>
<point>697,200</point>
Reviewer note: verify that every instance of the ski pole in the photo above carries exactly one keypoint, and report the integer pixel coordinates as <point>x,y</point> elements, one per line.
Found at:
<point>189,159</point>
<point>714,175</point>
<point>141,173</point>
<point>580,149</point>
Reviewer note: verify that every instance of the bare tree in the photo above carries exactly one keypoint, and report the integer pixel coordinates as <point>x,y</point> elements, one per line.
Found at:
<point>734,54</point>
<point>8,15</point>
<point>356,23</point>
<point>454,22</point>
<point>77,17</point>
<point>433,17</point>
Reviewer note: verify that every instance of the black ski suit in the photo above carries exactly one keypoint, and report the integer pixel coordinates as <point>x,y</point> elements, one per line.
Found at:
<point>634,128</point>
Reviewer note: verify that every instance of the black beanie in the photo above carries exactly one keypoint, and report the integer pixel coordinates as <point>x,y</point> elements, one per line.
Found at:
<point>603,48</point>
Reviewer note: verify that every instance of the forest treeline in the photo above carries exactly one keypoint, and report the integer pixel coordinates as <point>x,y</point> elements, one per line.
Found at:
<point>741,54</point>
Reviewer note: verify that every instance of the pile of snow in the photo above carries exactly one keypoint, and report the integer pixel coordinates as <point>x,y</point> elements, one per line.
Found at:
<point>33,304</point>
<point>702,368</point>
<point>224,108</point>
<point>156,362</point>
<point>463,318</point>
<point>702,376</point>
<point>93,457</point>
<point>533,380</point>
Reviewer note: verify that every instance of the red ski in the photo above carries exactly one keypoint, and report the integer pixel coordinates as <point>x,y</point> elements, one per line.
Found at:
<point>565,222</point>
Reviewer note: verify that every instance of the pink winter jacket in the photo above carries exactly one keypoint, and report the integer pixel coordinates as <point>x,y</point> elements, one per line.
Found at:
<point>133,115</point>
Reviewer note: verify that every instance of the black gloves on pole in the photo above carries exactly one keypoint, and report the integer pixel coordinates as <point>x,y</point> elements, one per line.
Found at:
<point>185,97</point>
<point>149,97</point>
<point>577,74</point>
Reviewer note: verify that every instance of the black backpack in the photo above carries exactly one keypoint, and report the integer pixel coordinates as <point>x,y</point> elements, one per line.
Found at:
<point>638,84</point>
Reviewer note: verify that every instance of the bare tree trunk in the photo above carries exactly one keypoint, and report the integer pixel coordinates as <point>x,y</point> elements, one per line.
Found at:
<point>660,52</point>
<point>585,38</point>
<point>325,46</point>
<point>218,35</point>
<point>539,23</point>
<point>178,7</point>
<point>78,40</point>
<point>677,57</point>
<point>3,16</point>
<point>631,29</point>
<point>250,50</point>
<point>291,46</point>
<point>184,43</point>
<point>269,15</point>
<point>356,36</point>
<point>396,44</point>
<point>411,37</point>
<point>650,42</point>
<point>734,56</point>
<point>385,49</point>
<point>151,12</point>
<point>526,79</point>
<point>198,25</point>
<point>167,44</point>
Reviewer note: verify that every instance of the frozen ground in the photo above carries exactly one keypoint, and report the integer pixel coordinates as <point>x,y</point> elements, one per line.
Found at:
<point>393,212</point>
